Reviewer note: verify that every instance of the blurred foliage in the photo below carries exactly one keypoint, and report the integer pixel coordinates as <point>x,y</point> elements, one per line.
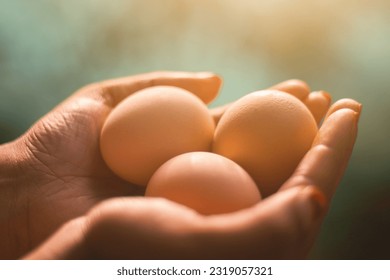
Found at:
<point>48,49</point>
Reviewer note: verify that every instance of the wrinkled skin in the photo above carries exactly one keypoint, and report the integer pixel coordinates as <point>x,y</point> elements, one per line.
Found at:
<point>59,200</point>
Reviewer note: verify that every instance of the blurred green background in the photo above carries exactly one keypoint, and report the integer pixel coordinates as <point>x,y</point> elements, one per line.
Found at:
<point>48,49</point>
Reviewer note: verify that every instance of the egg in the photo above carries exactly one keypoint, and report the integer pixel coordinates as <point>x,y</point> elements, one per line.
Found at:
<point>150,127</point>
<point>206,182</point>
<point>267,133</point>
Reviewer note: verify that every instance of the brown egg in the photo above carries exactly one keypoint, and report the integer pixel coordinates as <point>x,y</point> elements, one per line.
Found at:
<point>267,133</point>
<point>152,126</point>
<point>206,182</point>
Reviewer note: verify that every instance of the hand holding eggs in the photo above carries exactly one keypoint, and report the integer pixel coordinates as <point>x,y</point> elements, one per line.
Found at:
<point>206,182</point>
<point>266,132</point>
<point>150,127</point>
<point>164,138</point>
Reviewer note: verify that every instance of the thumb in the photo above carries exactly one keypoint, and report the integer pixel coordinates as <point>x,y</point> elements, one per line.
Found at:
<point>205,85</point>
<point>283,226</point>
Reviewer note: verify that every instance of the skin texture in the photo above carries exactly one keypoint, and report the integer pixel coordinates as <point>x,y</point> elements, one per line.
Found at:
<point>53,182</point>
<point>54,172</point>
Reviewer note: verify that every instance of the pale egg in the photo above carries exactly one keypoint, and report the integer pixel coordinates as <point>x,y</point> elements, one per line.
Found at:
<point>206,182</point>
<point>266,132</point>
<point>150,127</point>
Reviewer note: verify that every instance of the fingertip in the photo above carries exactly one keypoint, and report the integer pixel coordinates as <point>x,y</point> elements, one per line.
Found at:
<point>204,84</point>
<point>295,87</point>
<point>326,95</point>
<point>296,82</point>
<point>318,103</point>
<point>211,85</point>
<point>345,103</point>
<point>339,130</point>
<point>207,75</point>
<point>300,83</point>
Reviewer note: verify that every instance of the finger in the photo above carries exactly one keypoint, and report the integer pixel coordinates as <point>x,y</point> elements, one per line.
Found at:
<point>141,228</point>
<point>202,84</point>
<point>345,103</point>
<point>279,227</point>
<point>324,164</point>
<point>217,112</point>
<point>318,103</point>
<point>294,87</point>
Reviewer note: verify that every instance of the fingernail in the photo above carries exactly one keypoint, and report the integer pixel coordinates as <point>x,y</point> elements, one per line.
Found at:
<point>327,96</point>
<point>205,75</point>
<point>358,111</point>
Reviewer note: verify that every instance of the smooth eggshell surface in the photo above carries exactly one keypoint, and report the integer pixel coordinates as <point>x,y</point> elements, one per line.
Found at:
<point>267,133</point>
<point>150,127</point>
<point>205,182</point>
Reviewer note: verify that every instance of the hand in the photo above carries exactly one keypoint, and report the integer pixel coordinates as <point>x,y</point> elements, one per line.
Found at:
<point>282,226</point>
<point>54,172</point>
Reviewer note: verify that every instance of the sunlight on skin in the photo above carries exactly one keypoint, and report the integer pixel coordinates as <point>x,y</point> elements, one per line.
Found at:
<point>134,228</point>
<point>54,172</point>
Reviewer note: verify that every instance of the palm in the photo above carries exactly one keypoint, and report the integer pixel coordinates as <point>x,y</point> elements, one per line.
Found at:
<point>64,174</point>
<point>65,145</point>
<point>69,175</point>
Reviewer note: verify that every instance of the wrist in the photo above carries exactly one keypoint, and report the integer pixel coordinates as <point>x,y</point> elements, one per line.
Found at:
<point>14,222</point>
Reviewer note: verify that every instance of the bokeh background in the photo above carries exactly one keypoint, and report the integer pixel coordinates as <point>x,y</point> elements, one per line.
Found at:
<point>48,49</point>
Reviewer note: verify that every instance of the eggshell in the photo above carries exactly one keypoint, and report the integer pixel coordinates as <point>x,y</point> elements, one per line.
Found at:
<point>267,133</point>
<point>152,126</point>
<point>206,182</point>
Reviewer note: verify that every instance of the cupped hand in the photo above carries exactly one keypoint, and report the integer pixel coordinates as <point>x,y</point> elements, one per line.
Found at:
<point>54,172</point>
<point>283,225</point>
